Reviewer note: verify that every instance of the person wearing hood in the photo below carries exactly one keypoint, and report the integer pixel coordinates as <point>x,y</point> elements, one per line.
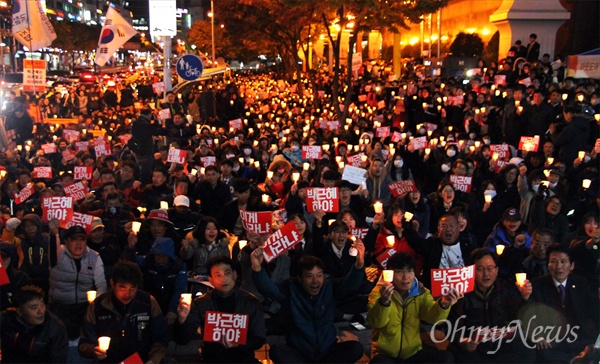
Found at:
<point>395,312</point>
<point>574,136</point>
<point>165,276</point>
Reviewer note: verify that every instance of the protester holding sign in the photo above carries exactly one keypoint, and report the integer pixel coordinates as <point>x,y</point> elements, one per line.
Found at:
<point>310,300</point>
<point>396,309</point>
<point>222,344</point>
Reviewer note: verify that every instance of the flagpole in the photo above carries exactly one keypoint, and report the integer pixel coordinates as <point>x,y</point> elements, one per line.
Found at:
<point>167,64</point>
<point>30,45</point>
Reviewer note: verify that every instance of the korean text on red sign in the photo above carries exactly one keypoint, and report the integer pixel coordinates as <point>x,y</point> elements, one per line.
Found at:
<point>311,151</point>
<point>80,219</point>
<point>420,142</point>
<point>359,233</point>
<point>77,191</point>
<point>24,194</point>
<point>60,208</point>
<point>402,187</point>
<point>282,240</point>
<point>42,172</point>
<point>461,279</point>
<point>235,124</point>
<point>322,198</point>
<point>502,150</point>
<point>258,222</point>
<point>176,156</point>
<point>208,161</point>
<point>82,172</point>
<point>383,258</point>
<point>529,144</point>
<point>461,183</point>
<point>219,326</point>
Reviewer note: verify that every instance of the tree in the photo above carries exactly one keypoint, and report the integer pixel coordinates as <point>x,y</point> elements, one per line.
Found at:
<point>492,48</point>
<point>467,45</point>
<point>75,36</point>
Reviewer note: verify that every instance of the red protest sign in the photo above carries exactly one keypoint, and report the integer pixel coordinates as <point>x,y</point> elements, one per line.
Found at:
<point>82,146</point>
<point>68,155</point>
<point>396,137</point>
<point>24,194</point>
<point>359,233</point>
<point>208,161</point>
<point>177,156</point>
<point>430,126</point>
<point>355,160</point>
<point>420,142</point>
<point>402,187</point>
<point>258,222</point>
<point>82,172</point>
<point>219,326</point>
<point>461,279</point>
<point>49,148</point>
<point>362,98</point>
<point>4,280</point>
<point>80,219</point>
<point>282,240</point>
<point>529,144</point>
<point>502,150</point>
<point>383,132</point>
<point>461,183</point>
<point>264,109</point>
<point>383,258</point>
<point>77,191</point>
<point>164,114</point>
<point>235,124</point>
<point>57,207</point>
<point>322,198</point>
<point>312,151</point>
<point>70,135</point>
<point>125,138</point>
<point>499,165</point>
<point>102,149</point>
<point>42,172</point>
<point>333,125</point>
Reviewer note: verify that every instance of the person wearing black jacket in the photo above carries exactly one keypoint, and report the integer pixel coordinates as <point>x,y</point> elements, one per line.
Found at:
<point>30,333</point>
<point>141,143</point>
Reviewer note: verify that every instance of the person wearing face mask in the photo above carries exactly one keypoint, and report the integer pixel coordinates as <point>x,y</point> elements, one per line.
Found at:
<point>398,169</point>
<point>114,217</point>
<point>485,214</point>
<point>528,185</point>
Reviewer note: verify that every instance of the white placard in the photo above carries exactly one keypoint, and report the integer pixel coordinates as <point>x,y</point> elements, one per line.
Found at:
<point>354,175</point>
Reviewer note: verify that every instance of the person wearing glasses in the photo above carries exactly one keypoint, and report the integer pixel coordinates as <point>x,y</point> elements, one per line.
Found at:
<point>493,304</point>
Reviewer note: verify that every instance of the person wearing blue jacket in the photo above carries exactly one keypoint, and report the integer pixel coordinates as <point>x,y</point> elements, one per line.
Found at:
<point>165,276</point>
<point>509,232</point>
<point>310,299</point>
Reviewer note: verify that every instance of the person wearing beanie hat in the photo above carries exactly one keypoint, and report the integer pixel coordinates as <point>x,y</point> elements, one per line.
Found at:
<point>509,232</point>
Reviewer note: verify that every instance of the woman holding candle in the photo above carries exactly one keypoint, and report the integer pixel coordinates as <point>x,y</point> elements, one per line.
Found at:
<point>204,243</point>
<point>418,205</point>
<point>509,232</point>
<point>485,210</point>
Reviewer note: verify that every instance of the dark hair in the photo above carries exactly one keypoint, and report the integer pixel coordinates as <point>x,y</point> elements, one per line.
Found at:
<point>543,232</point>
<point>480,253</point>
<point>161,170</point>
<point>198,232</point>
<point>28,294</point>
<point>212,168</point>
<point>401,260</point>
<point>309,262</point>
<point>127,272</point>
<point>114,196</point>
<point>557,248</point>
<point>221,259</point>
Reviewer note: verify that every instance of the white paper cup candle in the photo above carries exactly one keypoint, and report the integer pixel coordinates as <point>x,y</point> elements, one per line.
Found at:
<point>135,226</point>
<point>306,166</point>
<point>164,205</point>
<point>378,207</point>
<point>269,174</point>
<point>352,252</point>
<point>104,343</point>
<point>391,239</point>
<point>295,176</point>
<point>500,249</point>
<point>521,278</point>
<point>187,298</point>
<point>388,275</point>
<point>194,171</point>
<point>265,198</point>
<point>408,216</point>
<point>331,221</point>
<point>91,296</point>
<point>243,244</point>
<point>202,170</point>
<point>586,183</point>
<point>488,198</point>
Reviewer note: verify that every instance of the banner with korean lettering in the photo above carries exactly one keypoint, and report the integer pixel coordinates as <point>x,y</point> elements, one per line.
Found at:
<point>356,160</point>
<point>312,152</point>
<point>258,222</point>
<point>42,172</point>
<point>57,207</point>
<point>359,233</point>
<point>24,194</point>
<point>82,172</point>
<point>401,187</point>
<point>208,161</point>
<point>502,150</point>
<point>529,144</point>
<point>80,219</point>
<point>82,146</point>
<point>235,124</point>
<point>420,142</point>
<point>396,137</point>
<point>70,135</point>
<point>124,138</point>
<point>102,149</point>
<point>220,326</point>
<point>68,155</point>
<point>461,279</point>
<point>77,191</point>
<point>333,125</point>
<point>322,198</point>
<point>383,132</point>
<point>461,183</point>
<point>49,148</point>
<point>281,240</point>
<point>177,156</point>
<point>383,258</point>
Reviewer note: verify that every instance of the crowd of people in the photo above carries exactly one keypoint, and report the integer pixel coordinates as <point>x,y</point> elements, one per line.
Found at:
<point>502,174</point>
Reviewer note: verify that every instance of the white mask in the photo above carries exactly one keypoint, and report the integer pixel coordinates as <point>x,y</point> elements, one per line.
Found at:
<point>535,188</point>
<point>398,163</point>
<point>445,168</point>
<point>486,141</point>
<point>295,147</point>
<point>552,185</point>
<point>450,153</point>
<point>236,168</point>
<point>247,151</point>
<point>490,193</point>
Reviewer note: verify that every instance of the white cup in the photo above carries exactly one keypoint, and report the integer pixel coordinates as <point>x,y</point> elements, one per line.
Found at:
<point>164,205</point>
<point>353,252</point>
<point>521,278</point>
<point>104,343</point>
<point>500,249</point>
<point>187,298</point>
<point>391,240</point>
<point>243,244</point>
<point>388,275</point>
<point>91,296</point>
<point>408,216</point>
<point>586,183</point>
<point>135,226</point>
<point>378,207</point>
